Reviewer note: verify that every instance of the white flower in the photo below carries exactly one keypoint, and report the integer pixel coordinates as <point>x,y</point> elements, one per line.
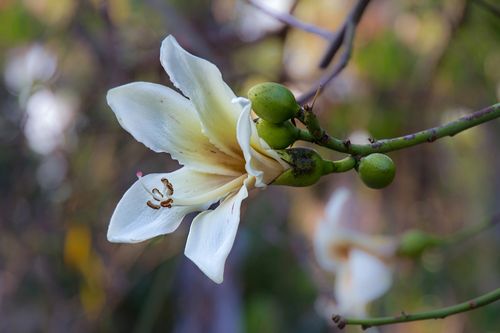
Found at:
<point>359,261</point>
<point>212,135</point>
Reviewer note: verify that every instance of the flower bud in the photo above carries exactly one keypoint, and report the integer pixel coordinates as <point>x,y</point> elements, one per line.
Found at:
<point>277,136</point>
<point>306,167</point>
<point>273,102</point>
<point>376,170</point>
<point>414,242</point>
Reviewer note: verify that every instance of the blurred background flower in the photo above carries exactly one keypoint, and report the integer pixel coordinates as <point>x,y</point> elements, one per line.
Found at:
<point>361,262</point>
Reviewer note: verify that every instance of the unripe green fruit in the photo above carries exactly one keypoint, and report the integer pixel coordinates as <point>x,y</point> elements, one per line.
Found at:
<point>376,170</point>
<point>277,136</point>
<point>273,102</point>
<point>414,242</point>
<point>306,167</point>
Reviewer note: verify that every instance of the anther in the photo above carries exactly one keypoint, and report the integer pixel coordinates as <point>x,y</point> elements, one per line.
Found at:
<point>157,192</point>
<point>162,197</point>
<point>168,186</point>
<point>152,205</point>
<point>167,203</point>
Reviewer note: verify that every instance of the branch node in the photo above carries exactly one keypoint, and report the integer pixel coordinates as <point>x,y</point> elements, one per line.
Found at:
<point>433,136</point>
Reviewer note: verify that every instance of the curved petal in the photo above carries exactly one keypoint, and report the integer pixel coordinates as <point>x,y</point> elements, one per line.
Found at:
<point>165,121</point>
<point>363,279</point>
<point>329,239</point>
<point>263,166</point>
<point>322,248</point>
<point>212,234</point>
<point>335,207</point>
<point>133,221</point>
<point>256,142</point>
<point>201,81</point>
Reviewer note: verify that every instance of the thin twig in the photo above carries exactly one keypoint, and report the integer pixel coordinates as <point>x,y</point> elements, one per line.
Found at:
<point>346,55</point>
<point>488,6</point>
<point>475,303</point>
<point>471,231</point>
<point>353,18</point>
<point>319,136</point>
<point>292,21</point>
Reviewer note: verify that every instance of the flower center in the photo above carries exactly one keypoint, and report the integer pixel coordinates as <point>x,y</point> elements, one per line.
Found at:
<point>160,198</point>
<point>340,251</point>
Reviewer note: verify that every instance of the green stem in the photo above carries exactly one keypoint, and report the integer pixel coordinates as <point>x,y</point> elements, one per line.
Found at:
<point>342,165</point>
<point>318,135</point>
<point>475,303</point>
<point>471,231</point>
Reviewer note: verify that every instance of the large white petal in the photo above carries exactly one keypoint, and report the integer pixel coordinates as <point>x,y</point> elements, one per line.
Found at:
<point>201,81</point>
<point>166,121</point>
<point>133,221</point>
<point>212,234</point>
<point>361,280</point>
<point>260,163</point>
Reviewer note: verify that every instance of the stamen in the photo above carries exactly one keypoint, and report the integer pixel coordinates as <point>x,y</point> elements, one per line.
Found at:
<point>168,187</point>
<point>152,205</point>
<point>162,197</point>
<point>167,203</point>
<point>157,192</point>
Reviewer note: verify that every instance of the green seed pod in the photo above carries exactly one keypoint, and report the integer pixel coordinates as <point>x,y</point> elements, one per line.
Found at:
<point>273,102</point>
<point>277,136</point>
<point>376,170</point>
<point>414,242</point>
<point>306,167</point>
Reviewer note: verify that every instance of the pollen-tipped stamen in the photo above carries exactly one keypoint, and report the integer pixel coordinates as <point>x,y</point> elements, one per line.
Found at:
<point>164,198</point>
<point>167,203</point>
<point>152,205</point>
<point>168,188</point>
<point>156,192</point>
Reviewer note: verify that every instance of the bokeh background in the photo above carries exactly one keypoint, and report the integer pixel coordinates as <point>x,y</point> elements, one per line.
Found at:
<point>65,162</point>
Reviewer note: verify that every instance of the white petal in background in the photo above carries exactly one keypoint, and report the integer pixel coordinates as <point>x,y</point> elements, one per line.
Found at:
<point>165,121</point>
<point>212,235</point>
<point>50,116</point>
<point>201,81</point>
<point>361,280</point>
<point>327,231</point>
<point>133,221</point>
<point>253,23</point>
<point>24,67</point>
<point>335,207</point>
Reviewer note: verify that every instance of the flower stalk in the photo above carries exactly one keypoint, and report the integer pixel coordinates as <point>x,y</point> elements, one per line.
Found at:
<point>442,313</point>
<point>319,136</point>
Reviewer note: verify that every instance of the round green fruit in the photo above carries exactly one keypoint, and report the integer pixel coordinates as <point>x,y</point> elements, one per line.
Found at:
<point>414,242</point>
<point>277,136</point>
<point>273,102</point>
<point>376,170</point>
